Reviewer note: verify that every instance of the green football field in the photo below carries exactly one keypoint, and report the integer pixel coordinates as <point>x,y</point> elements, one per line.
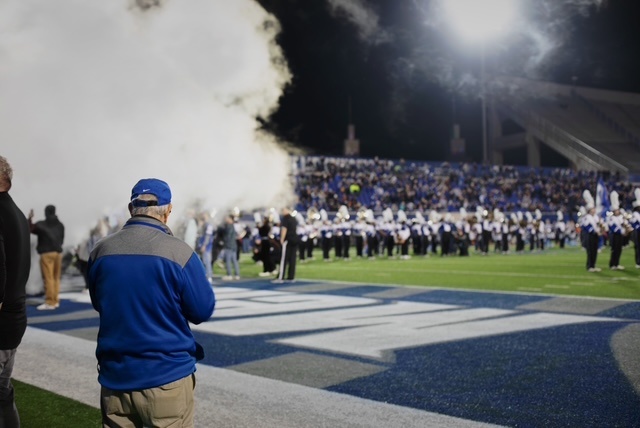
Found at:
<point>552,271</point>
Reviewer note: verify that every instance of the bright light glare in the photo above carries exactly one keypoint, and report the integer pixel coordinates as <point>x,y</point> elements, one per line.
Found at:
<point>480,20</point>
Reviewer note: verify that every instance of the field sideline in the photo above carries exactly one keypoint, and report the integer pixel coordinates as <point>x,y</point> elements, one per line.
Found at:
<point>552,271</point>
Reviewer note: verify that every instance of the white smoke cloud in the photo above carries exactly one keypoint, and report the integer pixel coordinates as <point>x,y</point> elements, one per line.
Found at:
<point>365,19</point>
<point>96,95</point>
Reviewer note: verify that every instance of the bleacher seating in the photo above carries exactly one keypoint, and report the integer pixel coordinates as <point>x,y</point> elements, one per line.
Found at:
<point>325,183</point>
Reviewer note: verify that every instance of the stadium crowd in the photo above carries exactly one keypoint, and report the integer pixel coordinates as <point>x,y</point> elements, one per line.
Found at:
<point>327,183</point>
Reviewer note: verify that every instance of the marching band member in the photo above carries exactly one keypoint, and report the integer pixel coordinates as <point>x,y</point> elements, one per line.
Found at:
<point>371,235</point>
<point>345,229</point>
<point>496,230</point>
<point>388,232</point>
<point>635,223</point>
<point>521,232</point>
<point>426,237</point>
<point>313,226</point>
<point>303,237</point>
<point>434,224</point>
<point>591,225</point>
<point>532,231</point>
<point>417,237</point>
<point>560,230</point>
<point>486,231</point>
<point>337,236</point>
<point>403,234</point>
<point>615,222</point>
<point>359,232</point>
<point>446,235</point>
<point>505,230</point>
<point>326,235</point>
<point>462,233</point>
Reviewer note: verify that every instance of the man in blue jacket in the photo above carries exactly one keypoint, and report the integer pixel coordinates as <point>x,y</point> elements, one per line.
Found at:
<point>148,286</point>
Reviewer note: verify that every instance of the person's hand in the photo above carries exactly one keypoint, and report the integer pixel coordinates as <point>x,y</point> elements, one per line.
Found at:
<point>30,214</point>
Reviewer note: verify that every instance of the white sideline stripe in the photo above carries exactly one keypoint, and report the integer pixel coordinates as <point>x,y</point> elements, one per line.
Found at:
<point>66,365</point>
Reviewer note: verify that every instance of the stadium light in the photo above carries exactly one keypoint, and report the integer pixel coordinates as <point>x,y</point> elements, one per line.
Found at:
<point>479,22</point>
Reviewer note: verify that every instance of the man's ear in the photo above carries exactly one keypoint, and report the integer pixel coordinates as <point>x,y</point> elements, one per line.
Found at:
<point>130,208</point>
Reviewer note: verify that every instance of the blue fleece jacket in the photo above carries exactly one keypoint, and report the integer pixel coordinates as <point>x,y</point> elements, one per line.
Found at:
<point>147,286</point>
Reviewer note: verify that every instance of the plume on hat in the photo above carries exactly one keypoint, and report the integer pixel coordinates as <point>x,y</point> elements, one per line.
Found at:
<point>588,198</point>
<point>387,215</point>
<point>368,214</point>
<point>636,203</point>
<point>615,200</point>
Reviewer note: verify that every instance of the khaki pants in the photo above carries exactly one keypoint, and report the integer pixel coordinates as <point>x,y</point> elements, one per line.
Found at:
<point>51,269</point>
<point>166,406</point>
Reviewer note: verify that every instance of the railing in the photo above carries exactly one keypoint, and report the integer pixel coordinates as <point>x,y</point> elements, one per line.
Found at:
<point>562,141</point>
<point>608,120</point>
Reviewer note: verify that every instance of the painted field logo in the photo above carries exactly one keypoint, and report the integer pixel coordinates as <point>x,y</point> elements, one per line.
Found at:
<point>366,327</point>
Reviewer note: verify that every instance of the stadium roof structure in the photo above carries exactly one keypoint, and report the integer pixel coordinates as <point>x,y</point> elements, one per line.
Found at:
<point>594,129</point>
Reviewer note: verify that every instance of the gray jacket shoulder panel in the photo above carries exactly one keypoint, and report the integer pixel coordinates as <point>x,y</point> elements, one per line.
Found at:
<point>142,239</point>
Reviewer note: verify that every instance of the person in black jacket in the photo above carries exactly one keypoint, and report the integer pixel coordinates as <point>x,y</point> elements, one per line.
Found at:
<point>15,264</point>
<point>289,240</point>
<point>50,232</point>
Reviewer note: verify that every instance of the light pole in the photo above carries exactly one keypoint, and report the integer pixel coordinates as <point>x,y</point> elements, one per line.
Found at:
<point>483,95</point>
<point>479,22</point>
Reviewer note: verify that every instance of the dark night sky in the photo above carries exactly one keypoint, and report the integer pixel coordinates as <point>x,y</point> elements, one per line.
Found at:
<point>405,89</point>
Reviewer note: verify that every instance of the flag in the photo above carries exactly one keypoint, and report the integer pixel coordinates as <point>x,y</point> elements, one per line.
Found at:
<point>602,199</point>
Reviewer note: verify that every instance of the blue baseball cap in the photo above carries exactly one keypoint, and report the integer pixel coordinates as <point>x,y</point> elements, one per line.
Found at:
<point>151,186</point>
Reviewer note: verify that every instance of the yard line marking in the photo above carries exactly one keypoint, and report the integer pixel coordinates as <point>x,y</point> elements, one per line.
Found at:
<point>556,286</point>
<point>474,273</point>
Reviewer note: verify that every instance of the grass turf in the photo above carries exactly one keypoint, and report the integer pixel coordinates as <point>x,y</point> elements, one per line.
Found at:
<point>39,408</point>
<point>552,271</point>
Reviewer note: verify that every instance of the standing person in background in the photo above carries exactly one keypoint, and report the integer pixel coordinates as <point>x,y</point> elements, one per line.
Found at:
<point>230,248</point>
<point>148,285</point>
<point>15,264</point>
<point>205,245</point>
<point>268,267</point>
<point>289,241</point>
<point>50,233</point>
<point>191,229</point>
